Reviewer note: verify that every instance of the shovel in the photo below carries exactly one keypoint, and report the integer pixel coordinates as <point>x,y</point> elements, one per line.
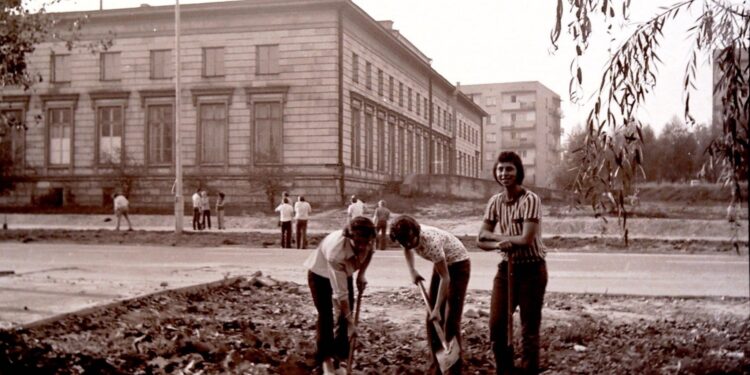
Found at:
<point>450,353</point>
<point>353,341</point>
<point>511,309</point>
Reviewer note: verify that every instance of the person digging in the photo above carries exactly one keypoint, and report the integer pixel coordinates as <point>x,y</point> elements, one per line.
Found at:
<point>331,268</point>
<point>448,284</point>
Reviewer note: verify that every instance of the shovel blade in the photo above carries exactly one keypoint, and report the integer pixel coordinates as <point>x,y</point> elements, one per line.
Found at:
<point>446,358</point>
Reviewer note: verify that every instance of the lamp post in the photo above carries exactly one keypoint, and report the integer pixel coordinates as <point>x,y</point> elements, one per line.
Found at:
<point>179,205</point>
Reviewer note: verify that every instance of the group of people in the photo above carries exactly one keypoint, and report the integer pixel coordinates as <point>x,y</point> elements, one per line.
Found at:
<point>511,225</point>
<point>299,214</point>
<point>202,210</point>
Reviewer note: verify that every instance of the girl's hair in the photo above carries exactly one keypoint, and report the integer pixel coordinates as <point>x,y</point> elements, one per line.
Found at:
<point>404,228</point>
<point>360,226</point>
<point>286,200</point>
<point>509,157</point>
<point>221,195</point>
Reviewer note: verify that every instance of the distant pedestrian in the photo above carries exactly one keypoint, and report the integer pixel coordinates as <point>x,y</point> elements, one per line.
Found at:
<point>197,210</point>
<point>302,211</point>
<point>356,208</point>
<point>220,210</point>
<point>206,209</point>
<point>380,218</point>
<point>286,213</point>
<point>121,210</point>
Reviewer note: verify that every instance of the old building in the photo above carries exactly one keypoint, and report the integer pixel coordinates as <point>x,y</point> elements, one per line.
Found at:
<point>523,117</point>
<point>315,92</point>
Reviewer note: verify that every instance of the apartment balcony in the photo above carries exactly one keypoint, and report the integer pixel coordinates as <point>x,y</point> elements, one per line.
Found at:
<point>519,105</point>
<point>519,143</point>
<point>521,125</point>
<point>555,112</point>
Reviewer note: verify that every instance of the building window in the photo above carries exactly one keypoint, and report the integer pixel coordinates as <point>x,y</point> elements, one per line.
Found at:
<point>401,94</point>
<point>512,135</point>
<point>489,101</point>
<point>390,88</point>
<point>110,129</point>
<point>392,146</point>
<point>380,82</point>
<point>368,75</point>
<point>356,134</point>
<point>268,132</point>
<point>381,142</point>
<point>418,151</point>
<point>213,62</point>
<point>401,154</point>
<point>109,66</point>
<point>161,64</point>
<point>160,123</point>
<point>60,128</point>
<point>408,99</point>
<point>410,155</point>
<point>438,110</point>
<point>492,119</point>
<point>512,118</point>
<point>426,109</point>
<point>418,102</point>
<point>369,139</point>
<point>355,68</point>
<point>213,133</point>
<point>60,68</point>
<point>513,98</point>
<point>267,59</point>
<point>12,136</point>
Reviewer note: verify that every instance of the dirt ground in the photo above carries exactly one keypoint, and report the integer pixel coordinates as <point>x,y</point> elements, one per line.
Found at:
<point>259,326</point>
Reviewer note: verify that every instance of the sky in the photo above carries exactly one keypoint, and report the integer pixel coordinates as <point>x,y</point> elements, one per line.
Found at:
<point>489,41</point>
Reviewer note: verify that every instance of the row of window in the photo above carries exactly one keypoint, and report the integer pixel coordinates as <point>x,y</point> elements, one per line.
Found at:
<point>110,125</point>
<point>391,144</point>
<point>467,165</point>
<point>468,133</point>
<point>414,100</point>
<point>162,67</point>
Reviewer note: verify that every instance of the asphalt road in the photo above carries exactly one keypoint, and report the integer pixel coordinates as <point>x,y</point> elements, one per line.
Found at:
<point>50,279</point>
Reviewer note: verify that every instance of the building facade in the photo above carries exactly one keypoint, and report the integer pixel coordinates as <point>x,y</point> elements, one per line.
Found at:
<point>523,117</point>
<point>314,93</point>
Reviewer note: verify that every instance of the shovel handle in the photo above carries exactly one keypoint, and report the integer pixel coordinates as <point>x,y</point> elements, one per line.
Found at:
<point>353,342</point>
<point>438,328</point>
<point>511,309</point>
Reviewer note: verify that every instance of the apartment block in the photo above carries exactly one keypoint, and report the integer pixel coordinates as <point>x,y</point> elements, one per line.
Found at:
<point>315,92</point>
<point>523,117</point>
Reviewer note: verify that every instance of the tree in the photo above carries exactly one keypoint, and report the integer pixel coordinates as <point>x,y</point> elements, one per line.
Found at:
<point>21,30</point>
<point>612,156</point>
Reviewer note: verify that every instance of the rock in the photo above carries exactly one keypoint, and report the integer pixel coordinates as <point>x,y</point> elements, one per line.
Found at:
<point>579,348</point>
<point>471,313</point>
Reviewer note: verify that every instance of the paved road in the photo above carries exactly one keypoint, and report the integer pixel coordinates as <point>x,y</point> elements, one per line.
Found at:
<point>51,279</point>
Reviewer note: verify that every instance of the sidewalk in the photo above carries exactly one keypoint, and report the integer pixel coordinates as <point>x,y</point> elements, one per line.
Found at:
<point>326,222</point>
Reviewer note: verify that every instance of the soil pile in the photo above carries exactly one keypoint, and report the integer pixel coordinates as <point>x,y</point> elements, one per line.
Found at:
<point>258,325</point>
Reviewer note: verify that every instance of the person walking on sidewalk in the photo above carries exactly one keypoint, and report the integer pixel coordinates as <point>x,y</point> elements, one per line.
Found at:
<point>331,269</point>
<point>449,281</point>
<point>220,211</point>
<point>286,213</point>
<point>302,211</point>
<point>197,210</point>
<point>356,208</point>
<point>121,210</point>
<point>512,225</point>
<point>380,218</point>
<point>206,209</point>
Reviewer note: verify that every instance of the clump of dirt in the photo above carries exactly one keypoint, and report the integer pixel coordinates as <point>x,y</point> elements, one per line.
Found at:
<point>261,326</point>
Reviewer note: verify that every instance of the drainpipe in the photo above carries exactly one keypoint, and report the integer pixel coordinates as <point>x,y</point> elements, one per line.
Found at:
<point>340,24</point>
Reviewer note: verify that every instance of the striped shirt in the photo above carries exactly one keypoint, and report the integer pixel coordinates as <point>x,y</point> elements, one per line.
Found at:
<point>506,217</point>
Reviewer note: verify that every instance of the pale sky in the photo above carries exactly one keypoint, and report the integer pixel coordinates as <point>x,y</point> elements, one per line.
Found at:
<point>489,41</point>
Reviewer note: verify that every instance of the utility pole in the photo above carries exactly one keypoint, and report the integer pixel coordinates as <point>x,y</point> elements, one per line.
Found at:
<point>179,205</point>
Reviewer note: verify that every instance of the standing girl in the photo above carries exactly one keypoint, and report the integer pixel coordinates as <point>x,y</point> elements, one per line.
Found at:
<point>512,225</point>
<point>220,210</point>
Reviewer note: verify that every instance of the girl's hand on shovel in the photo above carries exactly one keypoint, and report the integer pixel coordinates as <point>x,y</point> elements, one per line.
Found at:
<point>435,315</point>
<point>351,328</point>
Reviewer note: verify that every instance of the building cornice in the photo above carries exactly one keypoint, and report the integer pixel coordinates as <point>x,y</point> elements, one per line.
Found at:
<point>17,100</point>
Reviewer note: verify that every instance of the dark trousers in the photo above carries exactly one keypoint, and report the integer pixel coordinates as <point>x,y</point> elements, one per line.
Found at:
<point>452,309</point>
<point>380,229</point>
<point>330,344</point>
<point>206,219</point>
<point>286,234</point>
<point>302,234</point>
<point>529,283</point>
<point>196,218</point>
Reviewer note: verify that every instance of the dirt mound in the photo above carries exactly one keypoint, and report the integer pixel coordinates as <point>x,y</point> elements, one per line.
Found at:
<point>261,326</point>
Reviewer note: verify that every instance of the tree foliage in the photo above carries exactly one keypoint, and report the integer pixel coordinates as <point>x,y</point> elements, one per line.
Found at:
<point>612,158</point>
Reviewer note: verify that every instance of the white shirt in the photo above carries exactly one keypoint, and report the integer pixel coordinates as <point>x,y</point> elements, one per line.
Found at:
<point>196,200</point>
<point>356,209</point>
<point>302,210</point>
<point>286,211</point>
<point>120,202</point>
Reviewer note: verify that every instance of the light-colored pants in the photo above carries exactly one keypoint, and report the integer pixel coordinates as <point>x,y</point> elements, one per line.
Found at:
<point>220,218</point>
